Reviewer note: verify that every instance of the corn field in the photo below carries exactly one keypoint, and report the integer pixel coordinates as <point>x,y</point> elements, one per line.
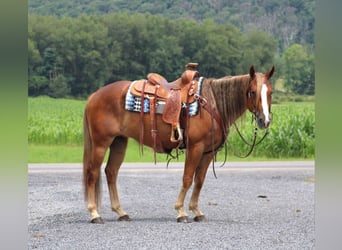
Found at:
<point>291,135</point>
<point>55,121</point>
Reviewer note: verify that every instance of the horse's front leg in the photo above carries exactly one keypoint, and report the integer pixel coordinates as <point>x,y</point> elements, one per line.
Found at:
<point>191,163</point>
<point>200,175</point>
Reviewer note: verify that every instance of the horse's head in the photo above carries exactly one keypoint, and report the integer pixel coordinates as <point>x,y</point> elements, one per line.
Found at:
<point>259,97</point>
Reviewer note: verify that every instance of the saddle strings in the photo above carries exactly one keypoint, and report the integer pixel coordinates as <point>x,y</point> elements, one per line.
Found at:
<point>141,137</point>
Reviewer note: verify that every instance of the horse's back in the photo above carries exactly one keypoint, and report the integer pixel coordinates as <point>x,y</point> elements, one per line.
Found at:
<point>111,91</point>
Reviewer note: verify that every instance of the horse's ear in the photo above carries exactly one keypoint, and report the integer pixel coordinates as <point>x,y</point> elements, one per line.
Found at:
<point>270,73</point>
<point>252,72</point>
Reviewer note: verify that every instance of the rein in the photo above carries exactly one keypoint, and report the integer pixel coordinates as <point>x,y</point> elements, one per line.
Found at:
<point>214,116</point>
<point>254,143</point>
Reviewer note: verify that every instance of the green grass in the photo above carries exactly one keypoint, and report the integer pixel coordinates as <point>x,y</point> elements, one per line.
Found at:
<point>55,134</point>
<point>73,154</point>
<point>55,121</point>
<point>39,153</point>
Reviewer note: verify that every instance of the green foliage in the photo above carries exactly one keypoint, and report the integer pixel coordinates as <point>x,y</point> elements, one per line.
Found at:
<point>299,70</point>
<point>296,136</point>
<point>259,49</point>
<point>58,87</point>
<point>77,51</point>
<point>289,21</point>
<point>81,54</point>
<point>282,97</point>
<point>60,122</point>
<point>82,45</point>
<point>55,121</point>
<point>37,85</point>
<point>220,49</point>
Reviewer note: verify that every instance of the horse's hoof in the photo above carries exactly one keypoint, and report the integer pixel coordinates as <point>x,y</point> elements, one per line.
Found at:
<point>124,218</point>
<point>183,219</point>
<point>200,218</point>
<point>97,220</point>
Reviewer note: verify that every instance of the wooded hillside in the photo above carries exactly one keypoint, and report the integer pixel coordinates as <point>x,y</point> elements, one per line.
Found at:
<point>74,47</point>
<point>290,21</point>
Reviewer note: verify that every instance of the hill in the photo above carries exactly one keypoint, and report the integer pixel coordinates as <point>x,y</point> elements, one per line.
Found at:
<point>290,21</point>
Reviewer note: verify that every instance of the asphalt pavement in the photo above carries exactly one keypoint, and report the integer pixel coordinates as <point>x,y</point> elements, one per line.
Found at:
<point>251,205</point>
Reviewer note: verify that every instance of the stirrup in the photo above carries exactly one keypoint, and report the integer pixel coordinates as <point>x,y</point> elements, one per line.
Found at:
<point>180,134</point>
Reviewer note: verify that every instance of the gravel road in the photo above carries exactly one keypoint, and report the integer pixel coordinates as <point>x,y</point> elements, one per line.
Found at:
<point>251,205</point>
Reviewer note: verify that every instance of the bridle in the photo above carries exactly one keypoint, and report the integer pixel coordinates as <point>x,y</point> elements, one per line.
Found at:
<point>254,142</point>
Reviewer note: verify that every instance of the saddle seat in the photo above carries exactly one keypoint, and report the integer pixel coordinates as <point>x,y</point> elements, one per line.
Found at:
<point>182,90</point>
<point>180,83</point>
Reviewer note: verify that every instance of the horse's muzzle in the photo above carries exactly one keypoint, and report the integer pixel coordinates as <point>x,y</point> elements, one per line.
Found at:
<point>263,123</point>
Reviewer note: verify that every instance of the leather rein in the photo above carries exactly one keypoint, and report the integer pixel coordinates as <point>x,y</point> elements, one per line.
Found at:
<point>254,143</point>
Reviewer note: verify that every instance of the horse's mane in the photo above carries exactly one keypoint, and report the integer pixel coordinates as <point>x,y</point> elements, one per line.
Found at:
<point>230,96</point>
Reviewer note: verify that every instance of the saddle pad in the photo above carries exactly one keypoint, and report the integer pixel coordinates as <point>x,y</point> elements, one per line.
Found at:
<point>133,103</point>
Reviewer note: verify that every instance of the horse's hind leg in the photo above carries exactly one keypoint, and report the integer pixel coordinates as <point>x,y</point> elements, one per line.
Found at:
<point>116,157</point>
<point>200,175</point>
<point>92,179</point>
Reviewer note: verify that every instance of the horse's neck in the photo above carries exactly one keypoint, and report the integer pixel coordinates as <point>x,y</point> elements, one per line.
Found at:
<point>230,97</point>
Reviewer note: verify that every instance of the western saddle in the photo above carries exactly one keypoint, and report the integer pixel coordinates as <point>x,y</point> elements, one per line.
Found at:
<point>175,94</point>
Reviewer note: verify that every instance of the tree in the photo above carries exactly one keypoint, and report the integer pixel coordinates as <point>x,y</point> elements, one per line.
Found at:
<point>58,87</point>
<point>76,56</point>
<point>290,21</point>
<point>259,50</point>
<point>298,70</point>
<point>222,50</point>
<point>36,83</point>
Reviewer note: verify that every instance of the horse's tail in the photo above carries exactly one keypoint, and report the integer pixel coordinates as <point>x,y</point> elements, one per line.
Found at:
<point>87,153</point>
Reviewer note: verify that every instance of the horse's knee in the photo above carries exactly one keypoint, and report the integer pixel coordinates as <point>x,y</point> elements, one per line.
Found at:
<point>198,185</point>
<point>91,176</point>
<point>187,182</point>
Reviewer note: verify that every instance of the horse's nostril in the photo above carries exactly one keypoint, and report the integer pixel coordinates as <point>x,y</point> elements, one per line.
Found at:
<point>267,123</point>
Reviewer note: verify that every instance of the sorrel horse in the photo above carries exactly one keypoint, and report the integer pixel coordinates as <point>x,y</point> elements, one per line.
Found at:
<point>107,124</point>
